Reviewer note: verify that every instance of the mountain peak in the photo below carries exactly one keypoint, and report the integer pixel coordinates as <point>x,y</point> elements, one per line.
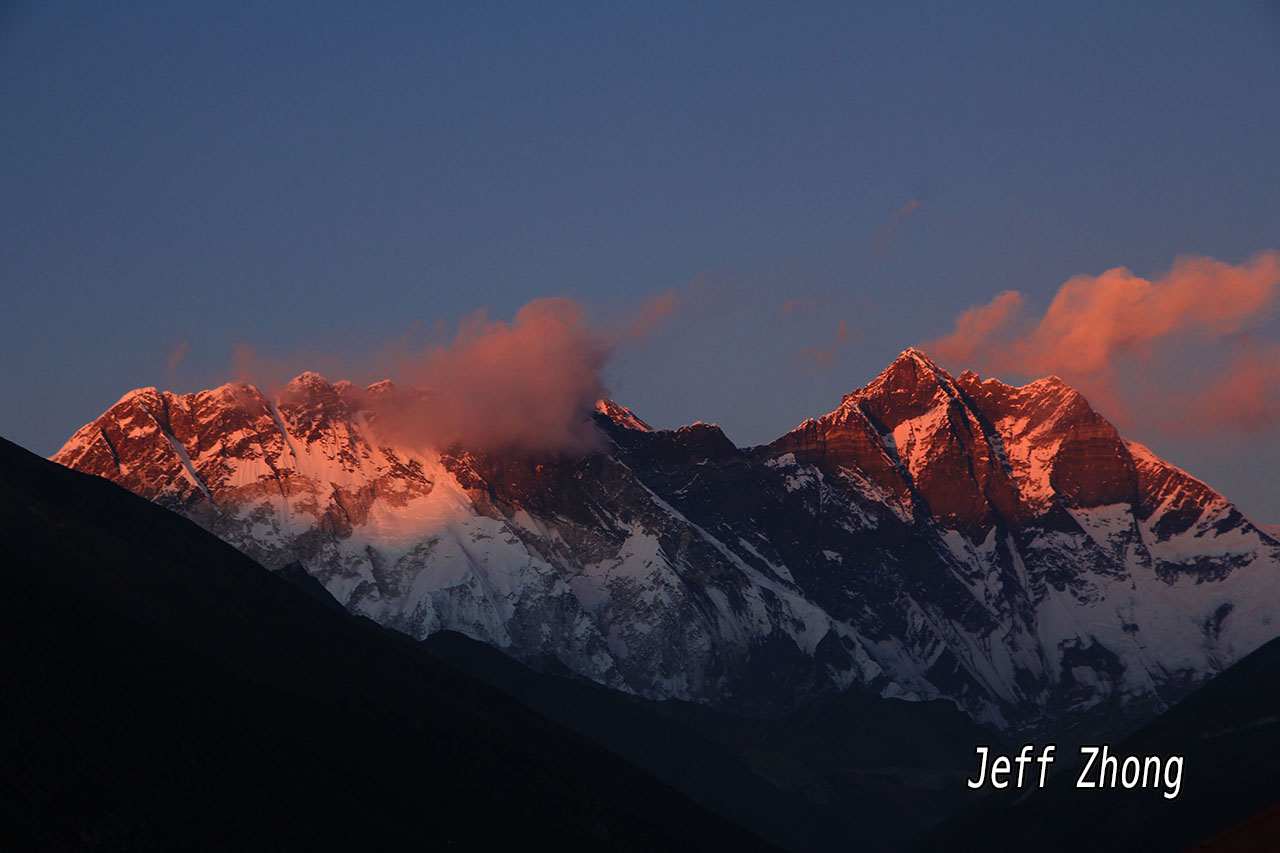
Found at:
<point>986,540</point>
<point>912,384</point>
<point>235,392</point>
<point>144,393</point>
<point>913,354</point>
<point>309,381</point>
<point>621,415</point>
<point>911,368</point>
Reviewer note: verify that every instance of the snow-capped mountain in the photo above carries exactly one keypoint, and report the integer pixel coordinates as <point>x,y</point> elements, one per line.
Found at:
<point>934,536</point>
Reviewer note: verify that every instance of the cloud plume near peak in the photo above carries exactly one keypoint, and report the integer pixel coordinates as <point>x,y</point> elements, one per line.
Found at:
<point>525,386</point>
<point>652,313</point>
<point>1100,329</point>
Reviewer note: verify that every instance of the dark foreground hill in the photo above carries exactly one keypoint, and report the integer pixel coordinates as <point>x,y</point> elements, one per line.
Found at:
<point>161,692</point>
<point>1228,733</point>
<point>850,771</point>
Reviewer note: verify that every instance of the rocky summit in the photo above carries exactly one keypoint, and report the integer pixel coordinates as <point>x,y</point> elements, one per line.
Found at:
<point>934,536</point>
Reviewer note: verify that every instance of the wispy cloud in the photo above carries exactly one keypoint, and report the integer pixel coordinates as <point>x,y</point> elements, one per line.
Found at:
<point>1245,396</point>
<point>652,313</point>
<point>175,360</point>
<point>820,358</point>
<point>800,303</point>
<point>526,385</point>
<point>883,242</point>
<point>1098,325</point>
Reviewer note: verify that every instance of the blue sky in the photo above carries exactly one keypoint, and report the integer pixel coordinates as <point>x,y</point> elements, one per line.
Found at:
<point>319,181</point>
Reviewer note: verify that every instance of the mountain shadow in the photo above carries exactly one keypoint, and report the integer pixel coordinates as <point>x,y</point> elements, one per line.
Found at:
<point>164,692</point>
<point>1228,734</point>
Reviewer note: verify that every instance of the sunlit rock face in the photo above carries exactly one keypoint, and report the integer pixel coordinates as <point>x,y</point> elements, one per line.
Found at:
<point>934,536</point>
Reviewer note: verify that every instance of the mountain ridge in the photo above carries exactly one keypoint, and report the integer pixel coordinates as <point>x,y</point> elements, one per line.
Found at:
<point>933,536</point>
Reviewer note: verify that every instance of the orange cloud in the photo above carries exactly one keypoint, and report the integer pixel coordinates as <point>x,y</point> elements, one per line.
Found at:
<point>977,327</point>
<point>883,241</point>
<point>1097,325</point>
<point>175,359</point>
<point>1091,320</point>
<point>529,385</point>
<point>796,304</point>
<point>818,358</point>
<point>248,366</point>
<point>1246,396</point>
<point>524,386</point>
<point>654,311</point>
<point>908,208</point>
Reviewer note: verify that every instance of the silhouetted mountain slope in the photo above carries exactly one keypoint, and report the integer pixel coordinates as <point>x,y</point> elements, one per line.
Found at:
<point>850,768</point>
<point>1228,732</point>
<point>164,692</point>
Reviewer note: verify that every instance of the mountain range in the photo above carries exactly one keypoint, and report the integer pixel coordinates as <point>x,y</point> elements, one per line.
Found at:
<point>934,537</point>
